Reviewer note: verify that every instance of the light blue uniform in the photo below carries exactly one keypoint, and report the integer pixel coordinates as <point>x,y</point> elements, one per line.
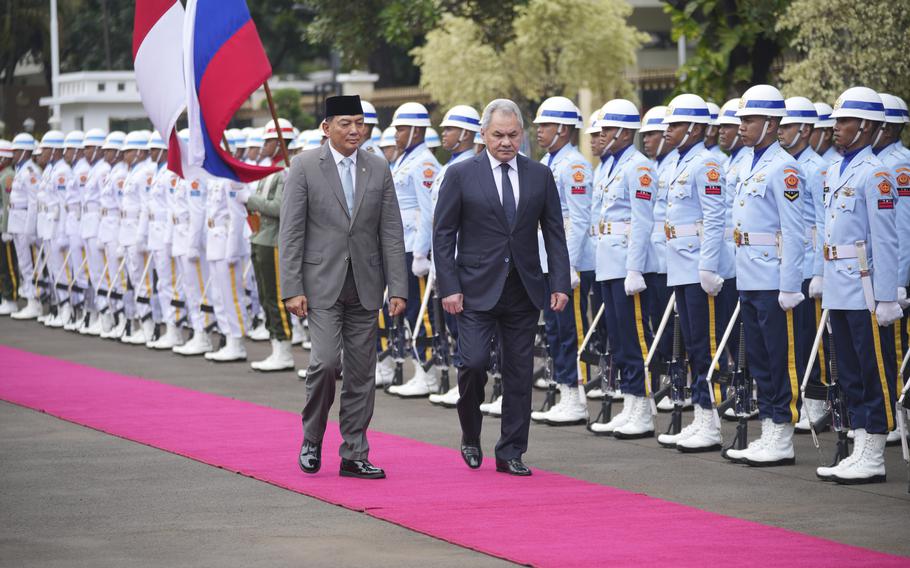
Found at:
<point>897,160</point>
<point>737,162</point>
<point>370,146</point>
<point>860,205</point>
<point>695,216</point>
<point>572,174</point>
<point>657,257</point>
<point>413,174</point>
<point>434,192</point>
<point>831,155</point>
<point>814,169</point>
<point>597,196</point>
<point>626,217</point>
<point>718,154</point>
<point>768,207</point>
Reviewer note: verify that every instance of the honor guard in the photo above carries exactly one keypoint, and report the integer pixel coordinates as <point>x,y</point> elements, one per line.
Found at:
<point>625,222</point>
<point>712,132</point>
<point>662,154</point>
<point>370,121</point>
<point>860,286</point>
<point>770,231</point>
<point>9,279</point>
<point>91,155</point>
<point>119,308</point>
<point>793,135</point>
<point>557,119</point>
<point>74,155</point>
<point>388,146</point>
<point>694,229</point>
<point>822,139</point>
<point>21,222</point>
<point>55,185</point>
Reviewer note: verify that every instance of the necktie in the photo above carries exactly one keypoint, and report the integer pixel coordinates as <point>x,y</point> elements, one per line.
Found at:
<point>347,183</point>
<point>508,198</point>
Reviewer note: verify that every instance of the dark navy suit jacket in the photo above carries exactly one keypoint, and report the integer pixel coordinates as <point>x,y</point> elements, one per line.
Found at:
<point>469,211</point>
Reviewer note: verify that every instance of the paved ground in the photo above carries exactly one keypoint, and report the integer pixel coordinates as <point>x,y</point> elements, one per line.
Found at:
<point>73,496</point>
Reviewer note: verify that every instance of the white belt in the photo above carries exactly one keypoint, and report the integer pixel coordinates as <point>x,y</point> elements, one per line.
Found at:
<point>746,238</point>
<point>73,208</point>
<point>728,234</point>
<point>839,252</point>
<point>90,207</point>
<point>129,215</point>
<point>105,212</point>
<point>677,231</point>
<point>615,228</point>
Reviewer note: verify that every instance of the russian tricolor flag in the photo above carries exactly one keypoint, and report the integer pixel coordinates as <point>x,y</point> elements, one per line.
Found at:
<point>224,62</point>
<point>158,61</point>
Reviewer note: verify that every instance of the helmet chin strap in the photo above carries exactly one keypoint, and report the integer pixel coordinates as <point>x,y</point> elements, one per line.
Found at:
<point>764,131</point>
<point>793,142</point>
<point>821,140</point>
<point>682,143</point>
<point>410,138</point>
<point>660,147</point>
<point>613,141</point>
<point>878,135</point>
<point>859,132</point>
<point>555,138</point>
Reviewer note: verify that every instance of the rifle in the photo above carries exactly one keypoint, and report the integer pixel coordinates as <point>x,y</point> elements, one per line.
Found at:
<point>835,407</point>
<point>744,403</point>
<point>715,362</point>
<point>678,385</point>
<point>671,305</point>
<point>608,385</point>
<point>441,343</point>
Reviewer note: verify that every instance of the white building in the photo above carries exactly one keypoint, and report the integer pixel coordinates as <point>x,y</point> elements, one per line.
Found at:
<point>95,99</point>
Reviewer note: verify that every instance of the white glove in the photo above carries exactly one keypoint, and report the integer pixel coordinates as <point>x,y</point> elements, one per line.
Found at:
<point>902,297</point>
<point>192,253</point>
<point>789,300</point>
<point>7,237</point>
<point>711,283</point>
<point>121,250</point>
<point>634,283</point>
<point>887,313</point>
<point>574,278</point>
<point>815,287</point>
<point>420,266</point>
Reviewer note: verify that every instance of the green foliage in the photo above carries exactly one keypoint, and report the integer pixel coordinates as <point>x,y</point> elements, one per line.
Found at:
<point>736,44</point>
<point>282,26</point>
<point>287,105</point>
<point>844,44</point>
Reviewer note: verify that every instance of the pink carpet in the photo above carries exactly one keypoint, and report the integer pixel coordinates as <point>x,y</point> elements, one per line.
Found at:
<point>493,513</point>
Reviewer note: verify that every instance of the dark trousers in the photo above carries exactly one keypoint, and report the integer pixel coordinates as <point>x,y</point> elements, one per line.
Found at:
<point>626,318</point>
<point>265,267</point>
<point>658,296</point>
<point>562,337</point>
<point>771,354</point>
<point>9,272</point>
<point>702,320</point>
<point>866,369</point>
<point>808,315</point>
<point>514,317</point>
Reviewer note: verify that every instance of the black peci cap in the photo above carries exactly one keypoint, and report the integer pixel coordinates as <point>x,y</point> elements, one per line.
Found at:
<point>343,105</point>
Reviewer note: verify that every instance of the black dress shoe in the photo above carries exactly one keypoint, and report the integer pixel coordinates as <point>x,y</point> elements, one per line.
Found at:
<point>472,455</point>
<point>513,466</point>
<point>362,469</point>
<point>310,456</point>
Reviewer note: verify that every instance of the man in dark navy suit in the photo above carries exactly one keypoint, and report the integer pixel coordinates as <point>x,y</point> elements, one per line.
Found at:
<point>490,207</point>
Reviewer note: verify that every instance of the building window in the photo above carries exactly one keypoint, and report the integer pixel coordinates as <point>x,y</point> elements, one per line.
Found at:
<point>121,87</point>
<point>80,123</point>
<point>101,87</point>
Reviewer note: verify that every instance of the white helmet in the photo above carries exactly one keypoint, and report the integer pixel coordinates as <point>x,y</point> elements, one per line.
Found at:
<point>114,141</point>
<point>156,142</point>
<point>369,112</point>
<point>24,141</point>
<point>592,123</point>
<point>903,105</point>
<point>800,110</point>
<point>478,139</point>
<point>387,138</point>
<point>411,114</point>
<point>653,120</point>
<point>6,149</point>
<point>297,143</point>
<point>859,102</point>
<point>824,111</point>
<point>242,136</point>
<point>136,140</point>
<point>375,135</point>
<point>893,111</point>
<point>713,112</point>
<point>619,113</point>
<point>52,139</point>
<point>462,116</point>
<point>313,139</point>
<point>288,132</point>
<point>184,135</point>
<point>727,114</point>
<point>95,137</point>
<point>254,140</point>
<point>432,138</point>
<point>74,139</point>
<point>558,110</point>
<point>687,108</point>
<point>762,100</point>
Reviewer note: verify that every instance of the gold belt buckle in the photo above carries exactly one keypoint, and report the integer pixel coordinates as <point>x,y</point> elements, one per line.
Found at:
<point>602,227</point>
<point>104,211</point>
<point>174,219</point>
<point>830,252</point>
<point>211,223</point>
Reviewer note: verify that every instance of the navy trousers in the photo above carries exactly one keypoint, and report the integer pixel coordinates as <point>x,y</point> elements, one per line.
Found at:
<point>562,337</point>
<point>627,325</point>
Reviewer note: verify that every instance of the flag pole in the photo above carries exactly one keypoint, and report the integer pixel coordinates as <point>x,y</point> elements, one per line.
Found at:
<point>284,148</point>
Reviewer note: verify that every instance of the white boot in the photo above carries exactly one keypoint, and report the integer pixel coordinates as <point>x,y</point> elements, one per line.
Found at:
<point>258,333</point>
<point>666,405</point>
<point>31,310</point>
<point>447,400</point>
<point>869,467</point>
<point>281,358</point>
<point>894,436</point>
<point>492,408</point>
<point>778,450</point>
<point>75,321</point>
<point>706,438</point>
<point>541,415</point>
<point>136,336</point>
<point>571,410</point>
<point>617,421</point>
<point>198,345</point>
<point>767,425</point>
<point>420,385</point>
<point>7,307</point>
<point>828,473</point>
<point>64,313</point>
<point>146,333</point>
<point>595,394</point>
<point>169,339</point>
<point>297,334</point>
<point>87,322</point>
<point>809,411</point>
<point>106,325</point>
<point>671,440</point>
<point>385,372</point>
<point>233,350</point>
<point>116,331</point>
<point>640,423</point>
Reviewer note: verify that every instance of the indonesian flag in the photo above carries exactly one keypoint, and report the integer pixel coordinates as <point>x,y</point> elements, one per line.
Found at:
<point>158,61</point>
<point>224,63</point>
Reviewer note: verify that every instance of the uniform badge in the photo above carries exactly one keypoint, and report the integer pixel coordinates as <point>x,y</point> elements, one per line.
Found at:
<point>713,175</point>
<point>683,179</point>
<point>848,192</point>
<point>713,190</point>
<point>643,194</point>
<point>886,204</point>
<point>34,181</point>
<point>884,187</point>
<point>195,184</point>
<point>148,180</point>
<point>645,181</point>
<point>903,180</point>
<point>83,179</point>
<point>61,180</point>
<point>759,178</point>
<point>173,182</point>
<point>791,194</point>
<point>791,181</point>
<point>578,190</point>
<point>120,183</point>
<point>428,173</point>
<point>578,177</point>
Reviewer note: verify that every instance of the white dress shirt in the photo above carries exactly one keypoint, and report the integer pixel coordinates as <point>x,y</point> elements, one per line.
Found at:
<point>513,176</point>
<point>339,157</point>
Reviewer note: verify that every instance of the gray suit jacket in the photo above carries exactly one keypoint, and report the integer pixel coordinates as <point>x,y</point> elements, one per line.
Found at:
<point>318,239</point>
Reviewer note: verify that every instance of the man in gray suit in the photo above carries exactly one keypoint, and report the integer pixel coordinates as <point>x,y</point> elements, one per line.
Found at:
<point>341,244</point>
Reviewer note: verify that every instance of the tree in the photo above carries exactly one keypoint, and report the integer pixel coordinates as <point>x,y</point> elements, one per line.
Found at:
<point>736,44</point>
<point>457,67</point>
<point>839,47</point>
<point>287,105</point>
